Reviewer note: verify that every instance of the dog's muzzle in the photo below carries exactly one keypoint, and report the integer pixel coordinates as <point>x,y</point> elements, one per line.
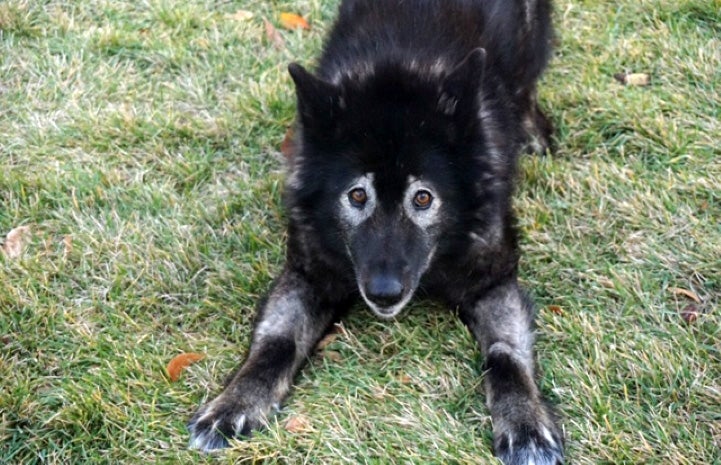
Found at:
<point>384,290</point>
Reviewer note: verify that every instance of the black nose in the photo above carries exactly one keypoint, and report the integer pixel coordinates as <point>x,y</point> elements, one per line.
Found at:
<point>384,290</point>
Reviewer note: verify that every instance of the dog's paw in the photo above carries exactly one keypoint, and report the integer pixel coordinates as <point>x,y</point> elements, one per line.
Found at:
<point>530,445</point>
<point>222,419</point>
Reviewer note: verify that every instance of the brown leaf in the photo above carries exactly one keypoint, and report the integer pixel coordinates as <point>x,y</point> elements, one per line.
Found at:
<point>297,424</point>
<point>689,313</point>
<point>685,292</point>
<point>15,241</point>
<point>293,21</point>
<point>273,36</point>
<point>326,341</point>
<point>333,356</point>
<point>556,310</point>
<point>181,362</point>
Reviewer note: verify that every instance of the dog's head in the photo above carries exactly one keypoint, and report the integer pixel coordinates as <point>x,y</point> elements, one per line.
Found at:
<point>380,164</point>
<point>390,234</point>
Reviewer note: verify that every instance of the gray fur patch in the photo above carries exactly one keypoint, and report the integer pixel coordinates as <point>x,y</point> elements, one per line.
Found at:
<point>424,219</point>
<point>352,215</point>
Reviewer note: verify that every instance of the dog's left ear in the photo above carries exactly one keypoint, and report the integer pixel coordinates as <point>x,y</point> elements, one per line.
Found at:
<point>460,90</point>
<point>318,100</point>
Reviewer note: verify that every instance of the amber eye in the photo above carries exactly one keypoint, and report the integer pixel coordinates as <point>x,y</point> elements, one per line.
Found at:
<point>358,197</point>
<point>422,200</point>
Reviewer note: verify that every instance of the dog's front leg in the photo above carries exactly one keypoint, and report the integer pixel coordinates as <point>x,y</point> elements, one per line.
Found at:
<point>524,428</point>
<point>289,324</point>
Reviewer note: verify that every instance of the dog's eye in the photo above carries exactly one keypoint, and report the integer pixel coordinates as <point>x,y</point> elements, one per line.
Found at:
<point>422,200</point>
<point>358,197</point>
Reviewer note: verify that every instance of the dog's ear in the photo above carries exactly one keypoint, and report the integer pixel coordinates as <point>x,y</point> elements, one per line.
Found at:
<point>318,100</point>
<point>460,90</point>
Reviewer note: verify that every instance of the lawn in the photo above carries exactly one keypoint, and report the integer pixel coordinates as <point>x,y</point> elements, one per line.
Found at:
<point>140,148</point>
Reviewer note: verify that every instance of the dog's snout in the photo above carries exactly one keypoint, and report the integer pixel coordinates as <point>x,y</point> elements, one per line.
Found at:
<point>384,290</point>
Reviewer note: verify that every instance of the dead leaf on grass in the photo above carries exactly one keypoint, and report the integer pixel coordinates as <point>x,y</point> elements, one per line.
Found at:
<point>15,241</point>
<point>333,356</point>
<point>293,21</point>
<point>273,36</point>
<point>181,362</point>
<point>297,424</point>
<point>326,341</point>
<point>685,292</point>
<point>556,310</point>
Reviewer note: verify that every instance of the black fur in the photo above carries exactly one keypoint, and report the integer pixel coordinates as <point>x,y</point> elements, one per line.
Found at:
<point>410,97</point>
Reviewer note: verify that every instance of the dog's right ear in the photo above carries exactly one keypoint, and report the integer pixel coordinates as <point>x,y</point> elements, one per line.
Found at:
<point>318,100</point>
<point>461,88</point>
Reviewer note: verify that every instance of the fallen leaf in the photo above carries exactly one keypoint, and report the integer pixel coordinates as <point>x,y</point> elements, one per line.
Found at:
<point>689,313</point>
<point>333,356</point>
<point>293,21</point>
<point>287,147</point>
<point>241,15</point>
<point>633,79</point>
<point>297,424</point>
<point>181,362</point>
<point>405,379</point>
<point>273,36</point>
<point>15,241</point>
<point>326,341</point>
<point>556,310</point>
<point>685,292</point>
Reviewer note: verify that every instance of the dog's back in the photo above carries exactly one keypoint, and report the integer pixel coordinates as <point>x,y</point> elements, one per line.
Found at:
<point>438,34</point>
<point>431,37</point>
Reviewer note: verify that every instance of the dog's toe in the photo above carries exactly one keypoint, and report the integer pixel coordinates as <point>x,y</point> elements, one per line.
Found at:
<point>219,421</point>
<point>210,429</point>
<point>529,445</point>
<point>207,437</point>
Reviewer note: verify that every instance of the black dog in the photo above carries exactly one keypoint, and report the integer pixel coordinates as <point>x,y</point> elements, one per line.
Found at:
<point>407,143</point>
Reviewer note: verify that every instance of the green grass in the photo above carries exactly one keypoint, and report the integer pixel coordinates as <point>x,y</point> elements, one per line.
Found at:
<point>148,132</point>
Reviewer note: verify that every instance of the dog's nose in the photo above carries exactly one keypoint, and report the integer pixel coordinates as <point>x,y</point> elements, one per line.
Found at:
<point>384,290</point>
